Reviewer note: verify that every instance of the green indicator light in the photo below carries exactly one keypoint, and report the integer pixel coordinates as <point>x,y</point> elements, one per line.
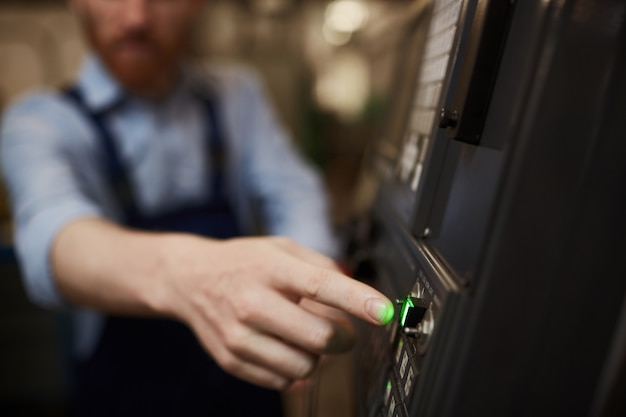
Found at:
<point>388,391</point>
<point>406,306</point>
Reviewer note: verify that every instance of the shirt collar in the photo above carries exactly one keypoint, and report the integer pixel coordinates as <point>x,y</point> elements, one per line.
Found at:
<point>99,88</point>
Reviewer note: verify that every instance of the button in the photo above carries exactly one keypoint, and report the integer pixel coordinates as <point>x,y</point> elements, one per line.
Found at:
<point>412,312</point>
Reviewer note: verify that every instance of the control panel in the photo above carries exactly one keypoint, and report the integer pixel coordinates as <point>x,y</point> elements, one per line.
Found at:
<point>447,85</point>
<point>501,180</point>
<point>393,359</point>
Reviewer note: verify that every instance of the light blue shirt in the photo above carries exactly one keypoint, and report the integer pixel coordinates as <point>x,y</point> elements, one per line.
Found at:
<point>52,163</point>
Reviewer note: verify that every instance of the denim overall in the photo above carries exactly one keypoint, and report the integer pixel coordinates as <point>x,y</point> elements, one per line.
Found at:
<point>156,367</point>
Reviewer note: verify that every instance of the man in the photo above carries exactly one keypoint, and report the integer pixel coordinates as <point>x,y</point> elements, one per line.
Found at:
<point>114,181</point>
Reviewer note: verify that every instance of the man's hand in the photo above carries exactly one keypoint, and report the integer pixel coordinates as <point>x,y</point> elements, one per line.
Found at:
<point>254,303</point>
<point>249,302</point>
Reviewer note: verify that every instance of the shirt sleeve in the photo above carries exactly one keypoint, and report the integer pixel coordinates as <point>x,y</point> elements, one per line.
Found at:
<point>288,189</point>
<point>46,181</point>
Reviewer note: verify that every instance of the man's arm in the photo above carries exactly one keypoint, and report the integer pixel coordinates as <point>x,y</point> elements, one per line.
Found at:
<point>242,297</point>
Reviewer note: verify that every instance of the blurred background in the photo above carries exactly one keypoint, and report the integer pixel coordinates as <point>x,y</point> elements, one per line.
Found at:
<point>328,67</point>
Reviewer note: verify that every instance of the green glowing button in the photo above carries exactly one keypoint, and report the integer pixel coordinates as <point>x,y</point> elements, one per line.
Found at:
<point>412,311</point>
<point>387,391</point>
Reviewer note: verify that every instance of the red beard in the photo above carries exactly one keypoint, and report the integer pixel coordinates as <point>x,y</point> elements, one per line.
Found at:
<point>139,62</point>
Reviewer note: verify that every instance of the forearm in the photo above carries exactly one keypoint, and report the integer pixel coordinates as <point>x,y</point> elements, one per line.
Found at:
<point>245,298</point>
<point>101,265</point>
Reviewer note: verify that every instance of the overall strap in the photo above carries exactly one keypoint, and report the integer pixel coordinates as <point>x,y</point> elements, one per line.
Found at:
<point>116,172</point>
<point>165,367</point>
<point>217,152</point>
<point>119,181</point>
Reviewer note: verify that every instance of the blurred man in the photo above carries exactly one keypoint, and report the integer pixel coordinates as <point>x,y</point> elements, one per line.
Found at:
<point>130,190</point>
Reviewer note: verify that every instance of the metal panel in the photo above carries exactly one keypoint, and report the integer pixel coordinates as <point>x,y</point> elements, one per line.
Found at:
<point>525,232</point>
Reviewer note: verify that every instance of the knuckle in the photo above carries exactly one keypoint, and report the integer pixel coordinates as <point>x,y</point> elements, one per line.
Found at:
<point>235,340</point>
<point>230,364</point>
<point>317,283</point>
<point>246,309</point>
<point>322,338</point>
<point>305,369</point>
<point>274,382</point>
<point>280,384</point>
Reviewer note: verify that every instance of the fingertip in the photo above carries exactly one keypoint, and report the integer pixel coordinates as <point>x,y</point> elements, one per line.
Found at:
<point>380,310</point>
<point>388,313</point>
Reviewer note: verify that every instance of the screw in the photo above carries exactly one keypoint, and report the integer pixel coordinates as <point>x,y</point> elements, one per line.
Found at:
<point>448,118</point>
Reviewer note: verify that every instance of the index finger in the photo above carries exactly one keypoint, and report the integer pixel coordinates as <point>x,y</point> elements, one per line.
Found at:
<point>332,288</point>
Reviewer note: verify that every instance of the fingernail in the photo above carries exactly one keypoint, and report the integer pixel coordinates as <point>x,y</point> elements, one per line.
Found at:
<point>380,310</point>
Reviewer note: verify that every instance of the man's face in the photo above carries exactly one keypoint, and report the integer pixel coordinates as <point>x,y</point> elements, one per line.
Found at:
<point>140,41</point>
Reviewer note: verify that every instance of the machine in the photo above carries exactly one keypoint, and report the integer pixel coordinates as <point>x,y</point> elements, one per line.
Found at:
<point>498,222</point>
